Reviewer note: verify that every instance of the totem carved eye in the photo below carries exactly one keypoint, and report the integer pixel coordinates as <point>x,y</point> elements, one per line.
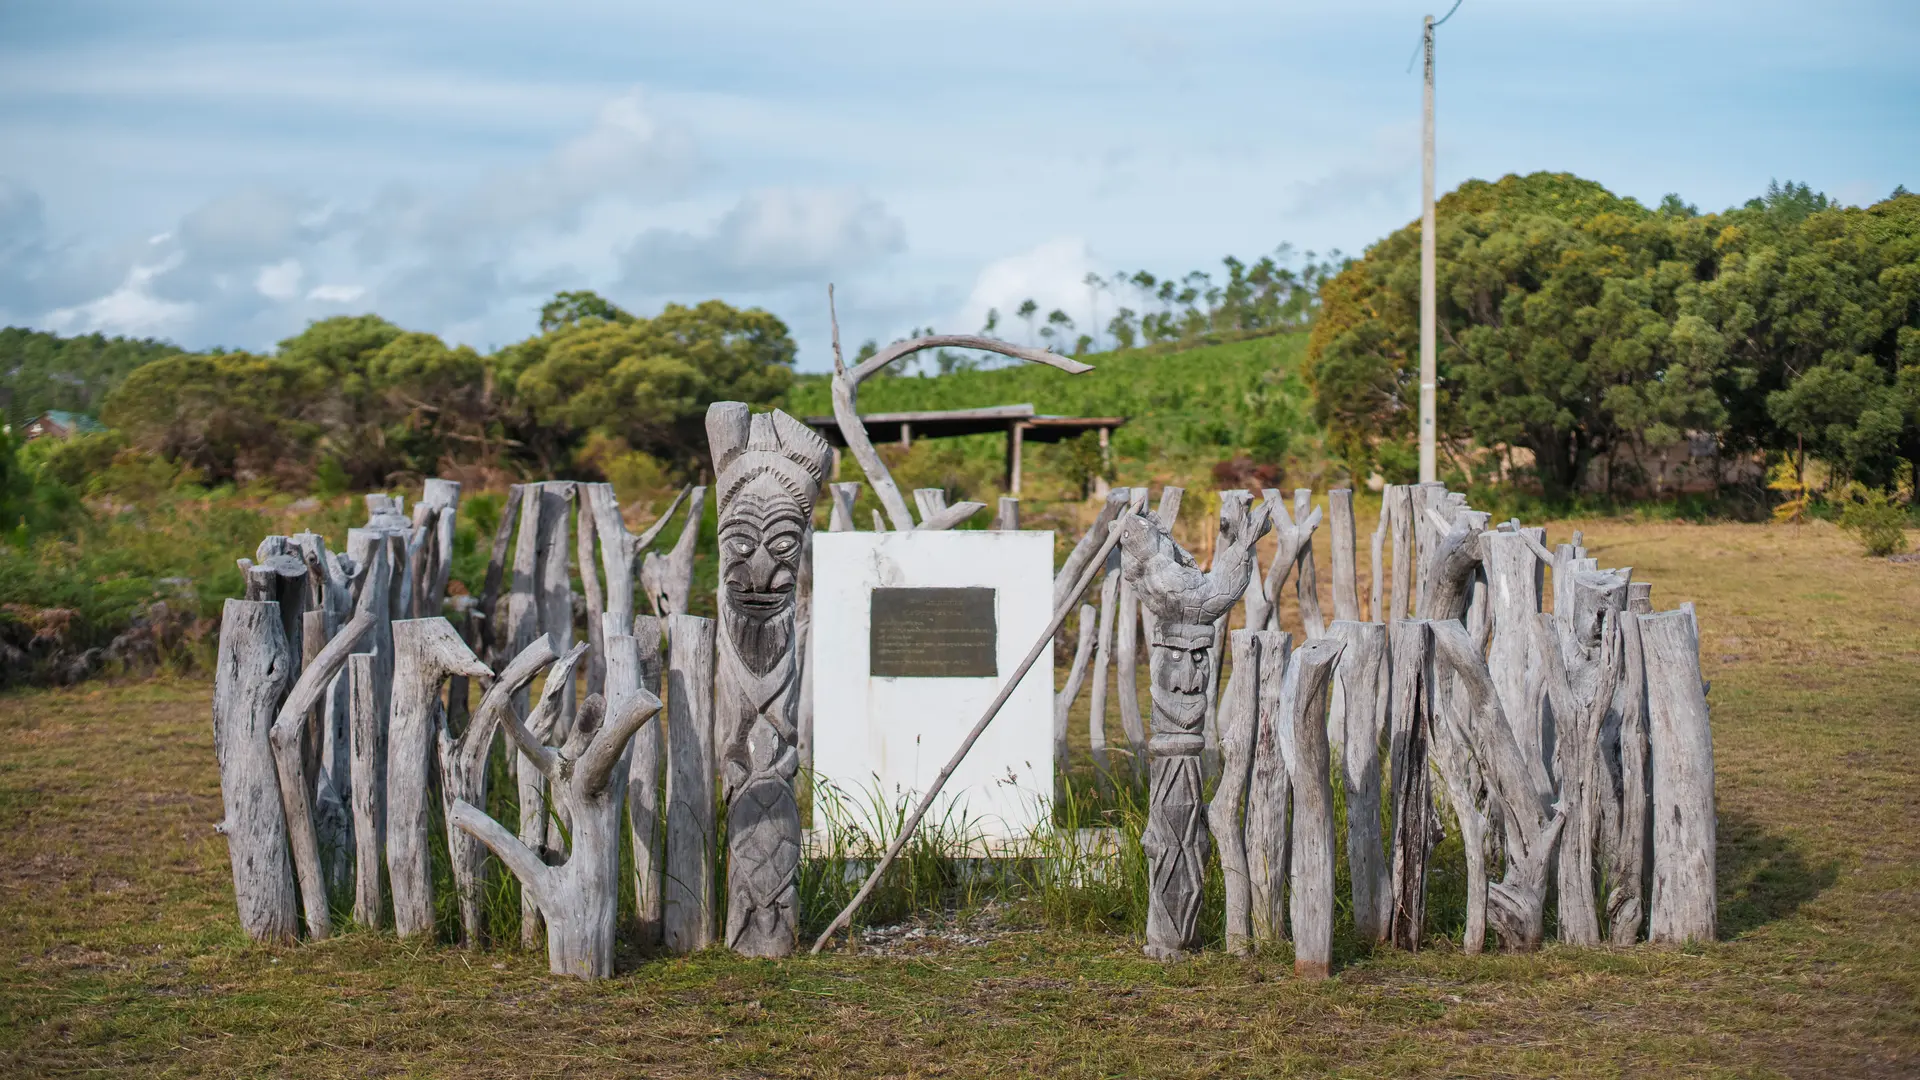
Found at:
<point>741,545</point>
<point>782,545</point>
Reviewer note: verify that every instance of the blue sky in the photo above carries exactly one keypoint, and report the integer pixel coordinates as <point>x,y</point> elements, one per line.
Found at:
<point>221,173</point>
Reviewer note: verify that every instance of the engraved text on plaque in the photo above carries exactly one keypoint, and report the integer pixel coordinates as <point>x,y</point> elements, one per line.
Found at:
<point>932,633</point>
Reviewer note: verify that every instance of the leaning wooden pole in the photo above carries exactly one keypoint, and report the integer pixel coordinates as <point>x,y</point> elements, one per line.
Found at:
<point>1682,755</point>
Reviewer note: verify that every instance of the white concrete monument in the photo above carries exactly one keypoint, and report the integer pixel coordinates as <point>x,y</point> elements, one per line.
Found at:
<point>914,634</point>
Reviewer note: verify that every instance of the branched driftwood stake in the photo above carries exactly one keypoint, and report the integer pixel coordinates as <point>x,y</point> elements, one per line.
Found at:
<point>1269,834</point>
<point>1307,580</point>
<point>1185,603</point>
<point>1580,660</point>
<point>1310,887</point>
<point>770,469</point>
<point>289,759</point>
<point>846,390</point>
<point>668,579</point>
<point>426,653</point>
<point>1451,563</point>
<point>1530,825</point>
<point>252,673</point>
<point>689,908</point>
<point>541,604</point>
<point>1090,541</point>
<point>1239,712</point>
<point>1357,724</point>
<point>1682,753</point>
<point>993,709</point>
<point>463,774</point>
<point>1076,677</point>
<point>579,897</point>
<point>493,629</point>
<point>1293,536</point>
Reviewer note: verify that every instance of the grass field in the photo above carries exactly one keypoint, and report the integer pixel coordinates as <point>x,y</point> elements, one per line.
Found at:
<point>119,951</point>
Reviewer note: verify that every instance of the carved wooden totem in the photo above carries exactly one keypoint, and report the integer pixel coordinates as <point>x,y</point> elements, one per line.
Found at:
<point>770,468</point>
<point>1185,603</point>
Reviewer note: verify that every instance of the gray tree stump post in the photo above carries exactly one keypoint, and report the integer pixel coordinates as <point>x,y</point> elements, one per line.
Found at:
<point>542,605</point>
<point>1185,603</point>
<point>1357,724</point>
<point>1581,662</point>
<point>579,897</point>
<point>1683,907</point>
<point>493,627</point>
<point>368,791</point>
<point>427,652</point>
<point>689,912</point>
<point>1516,578</point>
<point>1293,535</point>
<point>1310,888</point>
<point>251,676</point>
<point>1239,713</point>
<point>1307,581</point>
<point>463,776</point>
<point>1377,601</point>
<point>643,788</point>
<point>770,469</point>
<point>1007,519</point>
<point>1269,833</point>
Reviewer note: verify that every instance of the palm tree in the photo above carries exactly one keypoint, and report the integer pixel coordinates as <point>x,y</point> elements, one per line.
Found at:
<point>1059,323</point>
<point>1027,310</point>
<point>1094,284</point>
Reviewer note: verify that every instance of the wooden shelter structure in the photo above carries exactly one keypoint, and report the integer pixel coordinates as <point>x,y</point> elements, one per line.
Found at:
<point>1021,424</point>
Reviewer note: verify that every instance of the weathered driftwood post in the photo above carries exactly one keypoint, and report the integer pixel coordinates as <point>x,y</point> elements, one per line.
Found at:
<point>1239,712</point>
<point>463,774</point>
<point>1185,602</point>
<point>493,626</point>
<point>1399,503</point>
<point>1357,723</point>
<point>1269,833</point>
<point>1076,677</point>
<point>1466,786</point>
<point>1103,650</point>
<point>1682,752</point>
<point>1007,518</point>
<point>251,676</point>
<point>579,897</point>
<point>368,792</point>
<point>1624,826</point>
<point>541,604</point>
<point>1416,828</point>
<point>1377,601</point>
<point>427,652</point>
<point>669,585</point>
<point>1580,660</point>
<point>689,910</point>
<point>840,517</point>
<point>1515,578</point>
<point>770,468</point>
<point>1310,888</point>
<point>1346,575</point>
<point>1306,580</point>
<point>1126,638</point>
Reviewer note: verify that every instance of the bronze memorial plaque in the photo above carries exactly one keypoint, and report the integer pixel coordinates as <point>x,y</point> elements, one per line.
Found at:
<point>933,633</point>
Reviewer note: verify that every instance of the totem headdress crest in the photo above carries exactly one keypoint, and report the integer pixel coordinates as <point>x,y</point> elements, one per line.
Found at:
<point>1171,583</point>
<point>747,445</point>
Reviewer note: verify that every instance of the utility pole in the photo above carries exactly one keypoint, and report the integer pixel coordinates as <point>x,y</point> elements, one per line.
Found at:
<point>1429,372</point>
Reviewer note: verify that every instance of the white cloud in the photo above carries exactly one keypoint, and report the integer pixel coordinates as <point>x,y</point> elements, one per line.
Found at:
<point>280,281</point>
<point>770,238</point>
<point>1053,275</point>
<point>337,294</point>
<point>130,309</point>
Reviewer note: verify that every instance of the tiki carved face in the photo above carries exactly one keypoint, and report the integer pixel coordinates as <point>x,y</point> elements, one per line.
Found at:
<point>1182,663</point>
<point>762,537</point>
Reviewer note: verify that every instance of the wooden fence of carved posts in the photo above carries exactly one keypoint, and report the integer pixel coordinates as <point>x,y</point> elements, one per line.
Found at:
<point>1569,739</point>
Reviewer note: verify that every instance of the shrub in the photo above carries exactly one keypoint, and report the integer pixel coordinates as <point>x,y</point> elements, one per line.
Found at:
<point>1877,522</point>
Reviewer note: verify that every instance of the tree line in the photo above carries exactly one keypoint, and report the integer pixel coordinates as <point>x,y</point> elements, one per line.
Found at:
<point>1591,330</point>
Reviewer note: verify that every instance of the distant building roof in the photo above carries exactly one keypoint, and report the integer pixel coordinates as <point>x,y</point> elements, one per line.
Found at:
<point>942,423</point>
<point>61,424</point>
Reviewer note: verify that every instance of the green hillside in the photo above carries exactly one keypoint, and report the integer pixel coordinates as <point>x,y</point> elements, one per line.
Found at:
<point>1188,413</point>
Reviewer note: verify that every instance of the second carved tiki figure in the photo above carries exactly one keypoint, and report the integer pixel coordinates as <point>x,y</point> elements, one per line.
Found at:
<point>1186,603</point>
<point>769,471</point>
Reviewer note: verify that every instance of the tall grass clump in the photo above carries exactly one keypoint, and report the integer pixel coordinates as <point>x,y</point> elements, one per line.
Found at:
<point>852,831</point>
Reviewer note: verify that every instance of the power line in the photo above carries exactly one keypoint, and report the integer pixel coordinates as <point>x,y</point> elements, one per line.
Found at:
<point>1423,40</point>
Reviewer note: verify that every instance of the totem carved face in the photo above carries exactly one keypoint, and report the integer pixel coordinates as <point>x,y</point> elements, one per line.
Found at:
<point>761,540</point>
<point>1182,663</point>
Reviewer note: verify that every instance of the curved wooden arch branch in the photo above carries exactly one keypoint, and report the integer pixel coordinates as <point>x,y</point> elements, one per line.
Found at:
<point>846,412</point>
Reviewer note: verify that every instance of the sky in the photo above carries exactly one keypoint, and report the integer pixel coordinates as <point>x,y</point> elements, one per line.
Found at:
<point>220,174</point>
